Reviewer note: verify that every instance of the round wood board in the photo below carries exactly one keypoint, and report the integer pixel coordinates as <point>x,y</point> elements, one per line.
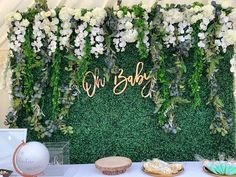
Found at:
<point>113,165</point>
<point>216,175</point>
<point>162,175</point>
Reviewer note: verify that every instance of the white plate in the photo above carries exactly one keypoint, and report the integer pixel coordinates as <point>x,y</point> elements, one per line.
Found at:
<point>9,140</point>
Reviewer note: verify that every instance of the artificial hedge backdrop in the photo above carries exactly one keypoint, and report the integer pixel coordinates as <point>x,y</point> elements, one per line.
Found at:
<point>107,124</point>
<point>186,50</point>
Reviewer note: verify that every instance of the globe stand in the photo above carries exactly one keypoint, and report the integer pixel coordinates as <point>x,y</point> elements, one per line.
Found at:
<point>15,166</point>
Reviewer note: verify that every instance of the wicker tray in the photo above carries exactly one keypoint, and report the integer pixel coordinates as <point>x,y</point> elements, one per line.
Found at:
<point>216,175</point>
<point>114,165</point>
<point>162,175</point>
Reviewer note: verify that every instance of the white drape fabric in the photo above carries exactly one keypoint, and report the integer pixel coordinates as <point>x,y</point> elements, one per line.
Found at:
<point>7,6</point>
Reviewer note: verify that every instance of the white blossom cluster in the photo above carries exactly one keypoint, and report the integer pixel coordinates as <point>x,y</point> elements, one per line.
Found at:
<point>205,15</point>
<point>65,15</point>
<point>95,19</point>
<point>177,27</point>
<point>224,37</point>
<point>18,25</point>
<point>38,34</point>
<point>45,25</point>
<point>126,31</point>
<point>80,41</point>
<point>96,41</point>
<point>203,34</point>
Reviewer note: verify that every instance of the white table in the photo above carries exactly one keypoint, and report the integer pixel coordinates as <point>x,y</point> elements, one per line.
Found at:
<point>191,169</point>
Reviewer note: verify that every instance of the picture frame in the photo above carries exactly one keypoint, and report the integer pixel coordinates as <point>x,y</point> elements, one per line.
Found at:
<point>10,138</point>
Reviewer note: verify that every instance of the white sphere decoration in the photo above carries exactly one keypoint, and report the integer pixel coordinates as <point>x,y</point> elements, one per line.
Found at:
<point>32,158</point>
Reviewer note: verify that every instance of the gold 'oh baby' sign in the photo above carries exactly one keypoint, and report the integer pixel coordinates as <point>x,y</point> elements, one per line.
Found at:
<point>121,81</point>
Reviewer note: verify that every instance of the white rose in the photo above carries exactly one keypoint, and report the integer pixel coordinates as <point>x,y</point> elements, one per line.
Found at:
<point>87,17</point>
<point>9,17</point>
<point>146,7</point>
<point>197,9</point>
<point>48,14</point>
<point>225,4</point>
<point>194,19</point>
<point>230,37</point>
<point>46,29</point>
<point>53,13</point>
<point>128,15</point>
<point>208,11</point>
<point>17,16</point>
<point>130,36</point>
<point>77,14</point>
<point>55,21</point>
<point>232,15</point>
<point>65,14</point>
<point>25,23</point>
<point>119,14</point>
<point>42,14</point>
<point>173,16</point>
<point>93,22</point>
<point>128,25</point>
<point>99,12</point>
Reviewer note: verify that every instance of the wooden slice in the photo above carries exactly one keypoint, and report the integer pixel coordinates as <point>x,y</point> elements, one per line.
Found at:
<point>113,165</point>
<point>206,170</point>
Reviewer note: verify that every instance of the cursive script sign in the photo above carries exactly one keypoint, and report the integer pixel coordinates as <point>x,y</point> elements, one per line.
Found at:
<point>121,81</point>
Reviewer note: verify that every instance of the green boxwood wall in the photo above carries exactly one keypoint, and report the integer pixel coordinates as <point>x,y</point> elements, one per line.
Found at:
<point>123,125</point>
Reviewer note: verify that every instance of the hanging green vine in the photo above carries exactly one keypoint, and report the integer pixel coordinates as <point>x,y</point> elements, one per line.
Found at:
<point>141,23</point>
<point>43,40</point>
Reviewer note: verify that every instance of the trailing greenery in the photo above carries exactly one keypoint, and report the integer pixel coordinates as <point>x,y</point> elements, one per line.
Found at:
<point>52,49</point>
<point>198,57</point>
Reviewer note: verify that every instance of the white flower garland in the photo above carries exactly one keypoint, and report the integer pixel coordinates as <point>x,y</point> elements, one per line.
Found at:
<point>126,31</point>
<point>80,40</point>
<point>94,19</point>
<point>224,35</point>
<point>176,21</point>
<point>45,24</point>
<point>18,25</point>
<point>96,41</point>
<point>65,16</point>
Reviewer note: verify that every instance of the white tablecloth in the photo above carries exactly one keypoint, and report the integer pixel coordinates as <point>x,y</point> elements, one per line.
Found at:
<point>191,169</point>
